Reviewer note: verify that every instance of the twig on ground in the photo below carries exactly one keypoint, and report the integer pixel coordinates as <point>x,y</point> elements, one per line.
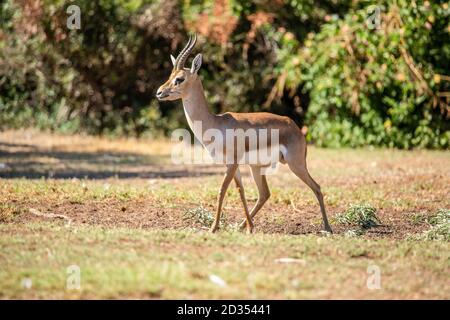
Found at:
<point>50,215</point>
<point>293,205</point>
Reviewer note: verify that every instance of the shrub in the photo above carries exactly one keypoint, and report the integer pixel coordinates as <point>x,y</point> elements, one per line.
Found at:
<point>363,215</point>
<point>379,87</point>
<point>202,216</point>
<point>440,227</point>
<point>317,62</point>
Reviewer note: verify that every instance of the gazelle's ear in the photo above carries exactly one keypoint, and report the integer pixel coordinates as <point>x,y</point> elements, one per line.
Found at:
<point>173,59</point>
<point>196,63</point>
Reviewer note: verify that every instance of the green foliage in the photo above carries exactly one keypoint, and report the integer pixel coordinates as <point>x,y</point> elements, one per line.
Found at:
<point>363,215</point>
<point>99,79</point>
<point>440,226</point>
<point>318,62</point>
<point>376,86</point>
<point>203,216</point>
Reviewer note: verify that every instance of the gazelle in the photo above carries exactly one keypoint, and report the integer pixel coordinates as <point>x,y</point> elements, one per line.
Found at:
<point>185,84</point>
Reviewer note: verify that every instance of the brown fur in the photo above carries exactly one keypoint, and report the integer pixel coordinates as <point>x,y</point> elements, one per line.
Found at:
<point>290,135</point>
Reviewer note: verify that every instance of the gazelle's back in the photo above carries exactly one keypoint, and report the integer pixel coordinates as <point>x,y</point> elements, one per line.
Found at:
<point>289,132</point>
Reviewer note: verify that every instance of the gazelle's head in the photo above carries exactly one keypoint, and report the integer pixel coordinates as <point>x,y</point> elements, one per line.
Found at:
<point>181,78</point>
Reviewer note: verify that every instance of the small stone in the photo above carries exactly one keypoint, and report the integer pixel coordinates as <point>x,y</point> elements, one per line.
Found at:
<point>290,260</point>
<point>217,280</point>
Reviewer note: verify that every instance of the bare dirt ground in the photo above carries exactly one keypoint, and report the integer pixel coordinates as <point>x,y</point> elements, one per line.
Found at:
<point>142,214</point>
<point>404,186</point>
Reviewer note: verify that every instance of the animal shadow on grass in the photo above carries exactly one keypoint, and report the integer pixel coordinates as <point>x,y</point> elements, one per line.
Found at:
<point>33,162</point>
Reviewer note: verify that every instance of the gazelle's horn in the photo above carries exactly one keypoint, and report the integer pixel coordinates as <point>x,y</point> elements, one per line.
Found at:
<point>181,53</point>
<point>184,54</point>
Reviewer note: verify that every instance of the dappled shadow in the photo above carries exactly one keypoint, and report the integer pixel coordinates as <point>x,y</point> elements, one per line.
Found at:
<point>29,161</point>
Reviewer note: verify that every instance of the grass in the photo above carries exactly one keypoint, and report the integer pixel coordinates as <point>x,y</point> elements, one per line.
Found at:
<point>138,224</point>
<point>203,216</point>
<point>177,264</point>
<point>440,226</point>
<point>8,212</point>
<point>362,215</point>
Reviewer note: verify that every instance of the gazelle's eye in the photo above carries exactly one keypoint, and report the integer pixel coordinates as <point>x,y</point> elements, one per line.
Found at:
<point>178,81</point>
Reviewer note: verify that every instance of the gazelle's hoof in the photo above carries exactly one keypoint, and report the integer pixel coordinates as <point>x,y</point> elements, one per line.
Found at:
<point>249,230</point>
<point>328,229</point>
<point>213,229</point>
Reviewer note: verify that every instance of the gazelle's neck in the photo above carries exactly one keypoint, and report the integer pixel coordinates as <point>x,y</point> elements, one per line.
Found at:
<point>197,111</point>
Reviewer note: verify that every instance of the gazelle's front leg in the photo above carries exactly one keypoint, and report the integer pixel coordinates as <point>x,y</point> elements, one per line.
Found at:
<point>231,169</point>
<point>240,186</point>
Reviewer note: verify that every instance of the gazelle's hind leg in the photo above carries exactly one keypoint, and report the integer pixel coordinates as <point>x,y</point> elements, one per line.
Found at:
<point>263,191</point>
<point>299,168</point>
<point>240,186</point>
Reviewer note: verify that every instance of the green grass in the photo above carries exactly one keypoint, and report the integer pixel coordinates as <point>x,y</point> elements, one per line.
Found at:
<point>141,236</point>
<point>177,264</point>
<point>203,216</point>
<point>170,194</point>
<point>363,215</point>
<point>440,226</point>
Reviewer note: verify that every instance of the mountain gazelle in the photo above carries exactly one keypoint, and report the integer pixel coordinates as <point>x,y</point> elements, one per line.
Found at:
<point>185,84</point>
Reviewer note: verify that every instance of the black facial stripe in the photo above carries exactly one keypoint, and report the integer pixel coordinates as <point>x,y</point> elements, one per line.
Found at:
<point>178,81</point>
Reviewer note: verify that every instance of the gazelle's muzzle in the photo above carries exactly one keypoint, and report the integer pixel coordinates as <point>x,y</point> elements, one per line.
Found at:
<point>162,93</point>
